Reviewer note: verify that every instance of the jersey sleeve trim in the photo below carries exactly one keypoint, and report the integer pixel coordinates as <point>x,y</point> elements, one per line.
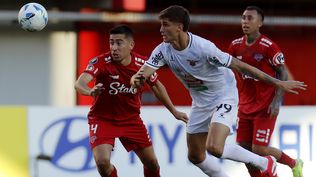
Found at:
<point>229,61</point>
<point>151,65</point>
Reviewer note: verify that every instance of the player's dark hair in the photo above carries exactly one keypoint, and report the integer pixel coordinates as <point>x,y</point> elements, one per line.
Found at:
<point>259,11</point>
<point>177,14</point>
<point>122,29</point>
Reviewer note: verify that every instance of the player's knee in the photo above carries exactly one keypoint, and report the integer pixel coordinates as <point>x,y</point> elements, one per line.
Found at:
<point>103,163</point>
<point>196,158</point>
<point>215,150</point>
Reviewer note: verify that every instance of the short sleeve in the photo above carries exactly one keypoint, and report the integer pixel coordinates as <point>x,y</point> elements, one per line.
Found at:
<point>216,57</point>
<point>275,55</point>
<point>156,59</point>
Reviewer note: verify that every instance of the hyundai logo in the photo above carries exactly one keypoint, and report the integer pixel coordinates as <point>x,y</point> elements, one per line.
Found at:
<point>67,142</point>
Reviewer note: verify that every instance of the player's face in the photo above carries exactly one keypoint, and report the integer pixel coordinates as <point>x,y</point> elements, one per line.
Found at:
<point>120,46</point>
<point>250,22</point>
<point>169,30</point>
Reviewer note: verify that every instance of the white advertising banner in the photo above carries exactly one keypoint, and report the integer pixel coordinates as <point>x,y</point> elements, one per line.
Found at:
<point>60,136</point>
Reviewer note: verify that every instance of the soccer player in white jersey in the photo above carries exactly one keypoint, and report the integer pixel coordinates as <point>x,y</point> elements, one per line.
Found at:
<point>204,70</point>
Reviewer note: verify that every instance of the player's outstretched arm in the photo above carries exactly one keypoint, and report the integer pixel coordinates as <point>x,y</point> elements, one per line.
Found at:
<point>81,85</point>
<point>140,77</point>
<point>162,94</point>
<point>287,86</point>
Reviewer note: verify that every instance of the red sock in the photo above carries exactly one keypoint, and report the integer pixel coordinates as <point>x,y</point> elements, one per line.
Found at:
<point>114,172</point>
<point>287,160</point>
<point>150,173</point>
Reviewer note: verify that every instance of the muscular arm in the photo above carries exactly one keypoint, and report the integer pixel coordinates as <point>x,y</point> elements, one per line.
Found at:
<point>81,85</point>
<point>288,86</point>
<point>161,93</point>
<point>281,74</point>
<point>139,78</point>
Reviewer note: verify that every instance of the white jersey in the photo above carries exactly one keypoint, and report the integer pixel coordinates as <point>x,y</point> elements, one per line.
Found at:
<point>202,68</point>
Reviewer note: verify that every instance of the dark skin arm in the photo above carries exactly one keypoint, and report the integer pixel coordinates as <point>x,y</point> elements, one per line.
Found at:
<point>287,86</point>
<point>274,107</point>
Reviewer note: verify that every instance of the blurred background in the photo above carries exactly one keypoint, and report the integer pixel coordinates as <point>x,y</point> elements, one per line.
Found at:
<point>38,70</point>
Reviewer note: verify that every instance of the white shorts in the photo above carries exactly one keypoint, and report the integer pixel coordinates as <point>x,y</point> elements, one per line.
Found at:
<point>201,118</point>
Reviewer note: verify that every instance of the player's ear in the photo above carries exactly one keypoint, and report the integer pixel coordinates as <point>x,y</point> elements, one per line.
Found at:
<point>132,44</point>
<point>180,26</point>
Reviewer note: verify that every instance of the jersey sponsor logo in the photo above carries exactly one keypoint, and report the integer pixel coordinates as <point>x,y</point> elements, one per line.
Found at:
<point>58,140</point>
<point>116,88</point>
<point>155,59</point>
<point>278,59</point>
<point>192,62</point>
<point>258,57</point>
<point>93,61</point>
<point>114,76</point>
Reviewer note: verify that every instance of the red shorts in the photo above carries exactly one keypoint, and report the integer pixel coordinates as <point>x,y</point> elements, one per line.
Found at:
<point>256,131</point>
<point>132,133</point>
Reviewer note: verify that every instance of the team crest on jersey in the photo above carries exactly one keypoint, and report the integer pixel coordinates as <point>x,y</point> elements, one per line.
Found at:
<point>93,61</point>
<point>258,57</point>
<point>192,62</point>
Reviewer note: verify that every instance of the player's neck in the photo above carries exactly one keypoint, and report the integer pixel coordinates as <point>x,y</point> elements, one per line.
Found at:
<point>126,61</point>
<point>182,42</point>
<point>251,38</point>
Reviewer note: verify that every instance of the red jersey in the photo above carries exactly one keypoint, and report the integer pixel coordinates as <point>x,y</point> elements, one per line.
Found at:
<point>255,96</point>
<point>119,101</point>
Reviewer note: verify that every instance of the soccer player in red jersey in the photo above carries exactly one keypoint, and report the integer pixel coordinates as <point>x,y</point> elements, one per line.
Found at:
<point>259,102</point>
<point>115,112</point>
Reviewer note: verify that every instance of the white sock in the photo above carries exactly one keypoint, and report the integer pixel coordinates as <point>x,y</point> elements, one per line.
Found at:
<point>211,166</point>
<point>237,153</point>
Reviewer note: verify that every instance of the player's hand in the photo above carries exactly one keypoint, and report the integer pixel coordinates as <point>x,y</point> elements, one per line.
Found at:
<point>138,79</point>
<point>291,86</point>
<point>181,116</point>
<point>274,108</point>
<point>97,89</point>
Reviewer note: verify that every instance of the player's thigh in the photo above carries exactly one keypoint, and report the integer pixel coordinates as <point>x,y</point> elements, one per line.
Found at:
<point>196,147</point>
<point>245,131</point>
<point>102,153</point>
<point>135,135</point>
<point>217,136</point>
<point>263,130</point>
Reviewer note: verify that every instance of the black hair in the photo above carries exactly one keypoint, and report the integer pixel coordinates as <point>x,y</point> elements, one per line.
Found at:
<point>122,29</point>
<point>176,13</point>
<point>259,11</point>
